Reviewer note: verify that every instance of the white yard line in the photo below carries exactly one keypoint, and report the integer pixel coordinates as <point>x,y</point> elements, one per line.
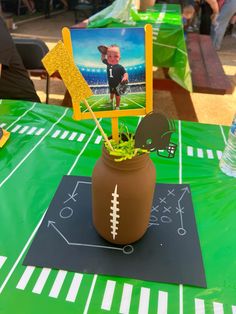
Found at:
<point>35,230</point>
<point>171,47</point>
<point>31,151</point>
<point>2,260</point>
<point>21,116</point>
<point>128,99</point>
<point>157,25</point>
<point>162,302</point>
<point>144,301</point>
<point>218,308</point>
<point>223,134</point>
<point>25,277</point>
<point>41,281</point>
<point>90,294</point>
<point>126,298</point>
<point>82,150</point>
<point>181,307</point>
<point>180,154</point>
<point>81,137</point>
<point>38,225</point>
<point>199,306</point>
<point>56,288</point>
<point>108,295</point>
<point>74,287</point>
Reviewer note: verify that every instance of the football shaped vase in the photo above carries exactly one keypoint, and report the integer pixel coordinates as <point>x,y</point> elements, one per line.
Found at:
<point>122,195</point>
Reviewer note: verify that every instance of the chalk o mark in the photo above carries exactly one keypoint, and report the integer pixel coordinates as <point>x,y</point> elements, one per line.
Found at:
<point>181,231</point>
<point>166,219</point>
<point>153,219</point>
<point>128,249</point>
<point>66,212</point>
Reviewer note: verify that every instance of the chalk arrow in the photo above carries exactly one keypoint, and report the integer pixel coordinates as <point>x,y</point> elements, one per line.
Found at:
<point>186,189</point>
<point>50,223</point>
<point>127,249</point>
<point>180,209</point>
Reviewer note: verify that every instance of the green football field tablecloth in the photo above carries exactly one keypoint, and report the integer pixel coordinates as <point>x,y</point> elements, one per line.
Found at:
<point>169,47</point>
<point>44,145</point>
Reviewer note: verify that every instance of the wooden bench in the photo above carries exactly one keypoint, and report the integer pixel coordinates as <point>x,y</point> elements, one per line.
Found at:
<point>207,73</point>
<point>207,76</point>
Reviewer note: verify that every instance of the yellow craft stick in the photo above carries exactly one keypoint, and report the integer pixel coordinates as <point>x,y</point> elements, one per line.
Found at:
<point>98,125</point>
<point>4,137</point>
<point>115,129</point>
<point>59,59</point>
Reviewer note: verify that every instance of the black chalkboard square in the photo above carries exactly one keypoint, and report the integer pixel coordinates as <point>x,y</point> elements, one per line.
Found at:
<point>169,251</point>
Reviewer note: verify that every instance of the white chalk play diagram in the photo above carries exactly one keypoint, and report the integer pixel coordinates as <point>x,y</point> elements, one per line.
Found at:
<point>127,249</point>
<point>163,210</point>
<point>68,240</point>
<point>67,211</point>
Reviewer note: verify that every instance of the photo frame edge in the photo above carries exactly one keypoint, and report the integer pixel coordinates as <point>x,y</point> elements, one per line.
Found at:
<point>66,36</point>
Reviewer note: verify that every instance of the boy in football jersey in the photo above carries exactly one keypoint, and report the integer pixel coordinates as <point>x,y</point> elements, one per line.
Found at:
<point>116,73</point>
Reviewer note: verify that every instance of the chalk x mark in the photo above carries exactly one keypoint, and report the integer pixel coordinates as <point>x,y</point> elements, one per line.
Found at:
<point>72,196</point>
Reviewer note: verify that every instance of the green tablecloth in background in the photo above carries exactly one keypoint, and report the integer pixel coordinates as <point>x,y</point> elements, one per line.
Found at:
<point>44,145</point>
<point>169,47</point>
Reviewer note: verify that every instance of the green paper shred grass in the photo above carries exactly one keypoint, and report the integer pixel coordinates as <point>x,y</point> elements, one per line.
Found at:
<point>124,149</point>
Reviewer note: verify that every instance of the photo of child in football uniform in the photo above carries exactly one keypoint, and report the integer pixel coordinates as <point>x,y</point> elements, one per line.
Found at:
<point>116,73</point>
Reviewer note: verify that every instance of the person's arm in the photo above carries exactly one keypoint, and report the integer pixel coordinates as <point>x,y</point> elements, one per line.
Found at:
<point>215,8</point>
<point>125,77</point>
<point>0,69</point>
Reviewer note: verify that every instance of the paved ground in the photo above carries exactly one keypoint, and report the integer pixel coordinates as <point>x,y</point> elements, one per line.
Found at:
<point>207,108</point>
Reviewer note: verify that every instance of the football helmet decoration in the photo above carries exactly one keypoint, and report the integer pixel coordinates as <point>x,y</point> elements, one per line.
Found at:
<point>154,133</point>
<point>102,49</point>
<point>122,88</point>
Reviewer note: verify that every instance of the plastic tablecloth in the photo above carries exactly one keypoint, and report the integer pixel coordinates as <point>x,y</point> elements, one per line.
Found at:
<point>44,145</point>
<point>169,47</point>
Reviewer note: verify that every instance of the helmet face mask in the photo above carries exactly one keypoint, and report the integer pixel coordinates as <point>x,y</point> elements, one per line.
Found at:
<point>154,133</point>
<point>169,152</point>
<point>123,88</point>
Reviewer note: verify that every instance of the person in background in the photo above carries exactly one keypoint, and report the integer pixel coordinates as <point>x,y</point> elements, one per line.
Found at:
<point>219,27</point>
<point>209,12</point>
<point>65,3</point>
<point>187,15</point>
<point>30,6</point>
<point>14,79</point>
